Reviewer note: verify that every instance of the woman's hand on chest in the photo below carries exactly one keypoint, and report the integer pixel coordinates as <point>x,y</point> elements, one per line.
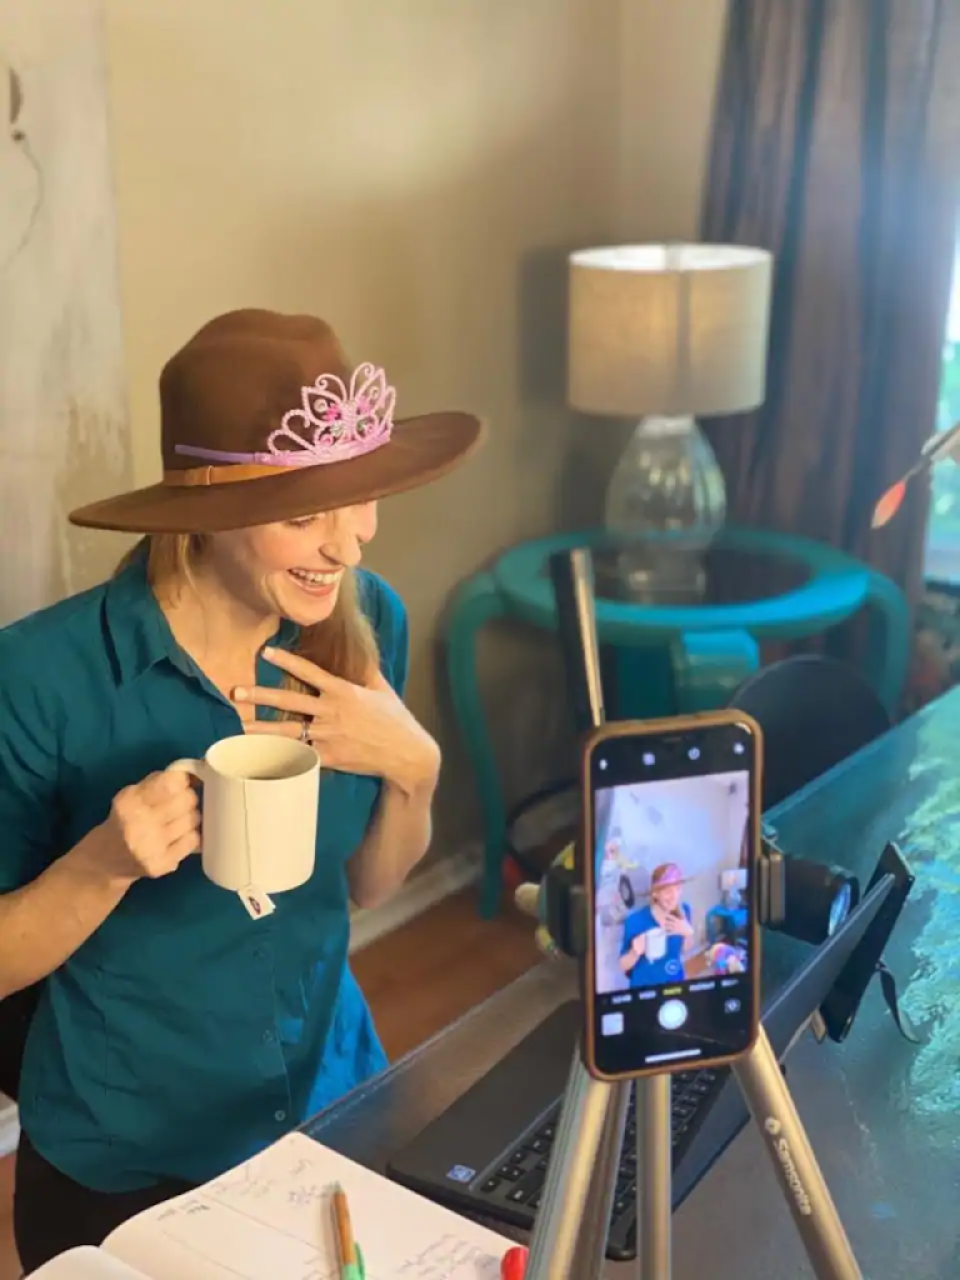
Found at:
<point>363,729</point>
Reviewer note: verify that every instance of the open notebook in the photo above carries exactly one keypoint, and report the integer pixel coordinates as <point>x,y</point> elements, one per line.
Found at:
<point>270,1219</point>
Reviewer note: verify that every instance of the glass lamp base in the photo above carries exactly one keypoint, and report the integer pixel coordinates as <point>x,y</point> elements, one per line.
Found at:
<point>666,498</point>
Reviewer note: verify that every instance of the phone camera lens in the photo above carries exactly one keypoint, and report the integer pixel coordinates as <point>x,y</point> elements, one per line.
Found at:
<point>694,753</point>
<point>648,758</point>
<point>603,764</point>
<point>738,748</point>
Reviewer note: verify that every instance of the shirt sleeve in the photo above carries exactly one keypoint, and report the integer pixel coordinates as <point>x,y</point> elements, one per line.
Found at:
<point>28,776</point>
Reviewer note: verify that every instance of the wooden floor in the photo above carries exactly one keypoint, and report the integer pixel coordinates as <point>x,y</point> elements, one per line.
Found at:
<point>417,980</point>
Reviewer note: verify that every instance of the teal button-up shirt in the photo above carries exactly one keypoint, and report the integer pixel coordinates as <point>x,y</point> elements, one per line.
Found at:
<point>183,1036</point>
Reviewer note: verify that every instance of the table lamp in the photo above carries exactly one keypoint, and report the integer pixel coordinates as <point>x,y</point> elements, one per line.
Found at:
<point>667,332</point>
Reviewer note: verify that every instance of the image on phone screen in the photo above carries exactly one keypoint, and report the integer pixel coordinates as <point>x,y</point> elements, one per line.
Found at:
<point>674,927</point>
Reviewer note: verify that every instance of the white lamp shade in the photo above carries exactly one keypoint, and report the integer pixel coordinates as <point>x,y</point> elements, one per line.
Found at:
<point>668,329</point>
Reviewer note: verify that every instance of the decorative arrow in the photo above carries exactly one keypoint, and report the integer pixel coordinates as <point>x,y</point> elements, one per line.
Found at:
<point>943,445</point>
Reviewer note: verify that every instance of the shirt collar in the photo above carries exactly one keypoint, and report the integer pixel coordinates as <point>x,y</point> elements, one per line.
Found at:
<point>288,633</point>
<point>138,631</point>
<point>136,628</point>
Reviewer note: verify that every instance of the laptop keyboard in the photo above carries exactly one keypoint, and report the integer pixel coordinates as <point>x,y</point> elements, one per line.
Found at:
<point>513,1189</point>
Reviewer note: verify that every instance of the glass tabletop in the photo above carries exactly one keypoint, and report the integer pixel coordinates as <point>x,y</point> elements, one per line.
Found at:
<point>678,572</point>
<point>894,1162</point>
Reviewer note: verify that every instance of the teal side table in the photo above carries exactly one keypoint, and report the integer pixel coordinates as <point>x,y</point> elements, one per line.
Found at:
<point>704,648</point>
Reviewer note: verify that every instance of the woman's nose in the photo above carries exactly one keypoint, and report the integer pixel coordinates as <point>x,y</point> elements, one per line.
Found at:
<point>347,531</point>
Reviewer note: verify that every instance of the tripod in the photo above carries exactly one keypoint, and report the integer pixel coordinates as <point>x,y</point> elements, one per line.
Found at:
<point>569,1240</point>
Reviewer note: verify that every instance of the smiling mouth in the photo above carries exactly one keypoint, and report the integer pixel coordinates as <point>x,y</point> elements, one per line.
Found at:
<point>316,582</point>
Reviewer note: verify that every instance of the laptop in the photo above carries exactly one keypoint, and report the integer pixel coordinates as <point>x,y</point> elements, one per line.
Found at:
<point>488,1153</point>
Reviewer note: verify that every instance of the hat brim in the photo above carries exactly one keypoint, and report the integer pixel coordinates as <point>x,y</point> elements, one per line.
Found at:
<point>419,451</point>
<point>670,884</point>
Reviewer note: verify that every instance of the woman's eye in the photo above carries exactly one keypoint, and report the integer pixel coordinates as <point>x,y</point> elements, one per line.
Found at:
<point>303,523</point>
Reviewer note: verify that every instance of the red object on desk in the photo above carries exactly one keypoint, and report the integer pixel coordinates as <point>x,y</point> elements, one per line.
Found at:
<point>514,1264</point>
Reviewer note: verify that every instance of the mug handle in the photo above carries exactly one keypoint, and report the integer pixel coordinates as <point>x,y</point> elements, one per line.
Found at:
<point>196,767</point>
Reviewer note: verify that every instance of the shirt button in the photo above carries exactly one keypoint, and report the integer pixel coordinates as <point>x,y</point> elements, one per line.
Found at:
<point>268,1037</point>
<point>279,1116</point>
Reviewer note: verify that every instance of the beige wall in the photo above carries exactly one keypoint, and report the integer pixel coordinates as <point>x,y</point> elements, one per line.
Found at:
<point>414,171</point>
<point>669,64</point>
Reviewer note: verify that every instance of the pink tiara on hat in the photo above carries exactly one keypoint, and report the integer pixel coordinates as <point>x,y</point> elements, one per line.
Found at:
<point>334,423</point>
<point>667,874</point>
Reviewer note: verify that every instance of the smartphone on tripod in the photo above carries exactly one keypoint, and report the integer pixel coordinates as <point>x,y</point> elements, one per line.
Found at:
<point>671,977</point>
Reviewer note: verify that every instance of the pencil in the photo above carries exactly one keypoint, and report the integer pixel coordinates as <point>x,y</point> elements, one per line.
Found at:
<point>346,1244</point>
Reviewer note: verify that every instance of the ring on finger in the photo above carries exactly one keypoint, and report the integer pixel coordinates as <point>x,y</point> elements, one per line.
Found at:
<point>305,729</point>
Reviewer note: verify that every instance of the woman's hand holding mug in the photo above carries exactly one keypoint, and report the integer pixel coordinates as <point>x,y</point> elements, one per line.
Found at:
<point>152,826</point>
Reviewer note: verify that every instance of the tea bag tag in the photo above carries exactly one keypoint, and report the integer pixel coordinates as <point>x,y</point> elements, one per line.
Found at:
<point>256,902</point>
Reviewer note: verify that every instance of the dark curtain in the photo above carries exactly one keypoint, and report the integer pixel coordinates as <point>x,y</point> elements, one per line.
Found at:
<point>837,146</point>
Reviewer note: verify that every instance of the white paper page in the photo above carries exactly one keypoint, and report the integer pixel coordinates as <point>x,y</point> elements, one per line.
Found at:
<point>271,1219</point>
<point>86,1263</point>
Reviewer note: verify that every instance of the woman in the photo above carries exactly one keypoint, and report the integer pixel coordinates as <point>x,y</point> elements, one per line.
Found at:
<point>175,1036</point>
<point>656,937</point>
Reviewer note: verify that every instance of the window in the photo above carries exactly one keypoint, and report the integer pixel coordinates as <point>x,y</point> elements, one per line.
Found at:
<point>943,531</point>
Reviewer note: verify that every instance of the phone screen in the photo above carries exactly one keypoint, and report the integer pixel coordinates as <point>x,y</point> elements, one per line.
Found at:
<point>673,868</point>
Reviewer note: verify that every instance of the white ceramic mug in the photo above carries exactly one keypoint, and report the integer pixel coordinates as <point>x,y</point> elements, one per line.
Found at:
<point>656,947</point>
<point>260,797</point>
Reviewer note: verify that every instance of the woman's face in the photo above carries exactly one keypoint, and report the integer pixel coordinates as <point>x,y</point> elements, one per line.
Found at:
<point>668,897</point>
<point>293,568</point>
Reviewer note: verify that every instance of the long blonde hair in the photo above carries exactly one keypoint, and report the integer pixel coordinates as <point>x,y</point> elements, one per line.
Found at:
<point>343,644</point>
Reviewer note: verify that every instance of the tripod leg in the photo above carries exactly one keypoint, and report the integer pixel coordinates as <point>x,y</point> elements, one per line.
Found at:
<point>807,1195</point>
<point>570,1237</point>
<point>654,1178</point>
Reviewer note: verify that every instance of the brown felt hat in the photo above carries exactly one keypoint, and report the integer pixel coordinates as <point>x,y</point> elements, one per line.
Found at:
<point>263,418</point>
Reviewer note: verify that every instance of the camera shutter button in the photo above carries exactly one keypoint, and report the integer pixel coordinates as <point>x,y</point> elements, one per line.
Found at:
<point>672,1015</point>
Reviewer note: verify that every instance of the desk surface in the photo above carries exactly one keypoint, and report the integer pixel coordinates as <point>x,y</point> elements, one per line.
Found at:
<point>884,1115</point>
